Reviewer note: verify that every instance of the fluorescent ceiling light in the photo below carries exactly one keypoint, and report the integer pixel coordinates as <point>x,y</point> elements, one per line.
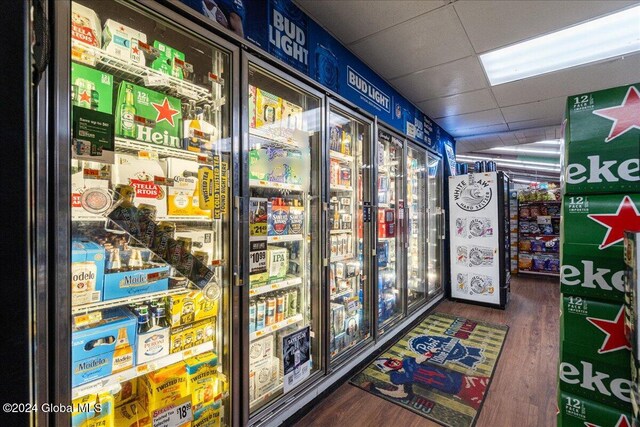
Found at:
<point>549,142</point>
<point>607,37</point>
<point>522,166</point>
<point>524,150</point>
<point>527,162</point>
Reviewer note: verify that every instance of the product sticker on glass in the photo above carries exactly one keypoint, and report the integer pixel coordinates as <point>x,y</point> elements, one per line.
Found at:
<point>296,358</point>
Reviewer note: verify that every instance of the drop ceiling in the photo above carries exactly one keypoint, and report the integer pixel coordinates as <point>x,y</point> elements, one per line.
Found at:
<point>428,50</point>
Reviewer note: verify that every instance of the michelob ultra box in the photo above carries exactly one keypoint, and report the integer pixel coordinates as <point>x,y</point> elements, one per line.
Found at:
<point>202,375</point>
<point>577,411</point>
<point>136,282</point>
<point>162,387</point>
<point>132,414</point>
<point>596,328</point>
<point>85,28</point>
<point>602,142</point>
<point>208,416</point>
<point>184,194</point>
<point>93,346</point>
<point>157,118</point>
<point>122,42</point>
<point>190,307</point>
<point>147,177</point>
<point>87,272</point>
<point>94,410</point>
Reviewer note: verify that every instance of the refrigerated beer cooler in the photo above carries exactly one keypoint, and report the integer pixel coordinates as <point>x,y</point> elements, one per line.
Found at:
<point>479,238</point>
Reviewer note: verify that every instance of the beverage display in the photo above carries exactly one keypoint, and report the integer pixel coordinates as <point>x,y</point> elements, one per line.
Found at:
<point>349,142</point>
<point>539,237</point>
<point>390,235</point>
<point>435,225</point>
<point>150,218</point>
<point>283,176</point>
<point>417,215</point>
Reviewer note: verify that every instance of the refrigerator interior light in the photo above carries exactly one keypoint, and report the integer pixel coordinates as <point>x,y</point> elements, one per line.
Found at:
<point>606,37</point>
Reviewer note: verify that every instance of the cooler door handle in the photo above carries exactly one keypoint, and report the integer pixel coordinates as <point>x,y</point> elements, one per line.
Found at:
<point>443,224</point>
<point>406,227</point>
<point>237,273</point>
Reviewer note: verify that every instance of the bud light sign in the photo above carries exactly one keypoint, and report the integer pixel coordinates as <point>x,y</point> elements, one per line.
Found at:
<point>288,35</point>
<point>371,94</point>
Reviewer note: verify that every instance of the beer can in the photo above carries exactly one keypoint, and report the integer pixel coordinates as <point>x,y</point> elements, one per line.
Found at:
<point>293,303</point>
<point>285,297</point>
<point>261,311</point>
<point>463,168</point>
<point>491,166</point>
<point>252,316</point>
<point>478,166</point>
<point>280,308</point>
<point>186,243</point>
<point>202,256</point>
<point>164,233</point>
<point>270,315</point>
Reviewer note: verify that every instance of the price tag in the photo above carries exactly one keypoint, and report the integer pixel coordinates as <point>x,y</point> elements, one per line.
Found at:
<point>147,155</point>
<point>156,80</point>
<point>177,414</point>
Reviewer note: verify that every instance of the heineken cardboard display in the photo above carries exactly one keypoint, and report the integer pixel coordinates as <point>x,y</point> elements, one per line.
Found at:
<point>596,328</point>
<point>92,118</point>
<point>166,61</point>
<point>148,116</point>
<point>577,411</point>
<point>631,283</point>
<point>602,142</point>
<point>589,272</point>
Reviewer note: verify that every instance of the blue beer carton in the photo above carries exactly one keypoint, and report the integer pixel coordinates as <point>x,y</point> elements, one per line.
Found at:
<point>87,272</point>
<point>383,253</point>
<point>93,346</point>
<point>126,284</point>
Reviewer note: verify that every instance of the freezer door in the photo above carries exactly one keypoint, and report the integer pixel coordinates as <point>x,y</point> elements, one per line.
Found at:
<point>284,253</point>
<point>148,284</point>
<point>435,226</point>
<point>417,231</point>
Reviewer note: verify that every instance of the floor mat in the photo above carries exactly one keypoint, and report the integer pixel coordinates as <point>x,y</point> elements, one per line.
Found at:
<point>441,369</point>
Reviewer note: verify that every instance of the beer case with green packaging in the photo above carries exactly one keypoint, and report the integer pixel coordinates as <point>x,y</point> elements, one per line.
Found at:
<point>602,142</point>
<point>146,115</point>
<point>578,411</point>
<point>92,113</point>
<point>165,63</point>
<point>631,284</point>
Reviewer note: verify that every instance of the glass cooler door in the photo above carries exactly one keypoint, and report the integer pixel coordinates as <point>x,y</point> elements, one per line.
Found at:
<point>349,187</point>
<point>416,226</point>
<point>284,135</point>
<point>435,223</point>
<point>390,228</point>
<point>150,177</point>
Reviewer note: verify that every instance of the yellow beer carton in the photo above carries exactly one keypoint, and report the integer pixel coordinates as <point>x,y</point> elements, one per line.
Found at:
<point>202,373</point>
<point>128,392</point>
<point>191,335</point>
<point>93,410</point>
<point>190,307</point>
<point>162,387</point>
<point>268,112</point>
<point>132,415</point>
<point>208,416</point>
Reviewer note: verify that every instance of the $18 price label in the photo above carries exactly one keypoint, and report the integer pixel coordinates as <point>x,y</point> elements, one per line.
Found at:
<point>177,414</point>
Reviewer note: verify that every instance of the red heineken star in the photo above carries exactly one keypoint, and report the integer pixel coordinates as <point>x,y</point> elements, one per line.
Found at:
<point>616,338</point>
<point>626,218</point>
<point>85,97</point>
<point>622,422</point>
<point>165,112</point>
<point>625,116</point>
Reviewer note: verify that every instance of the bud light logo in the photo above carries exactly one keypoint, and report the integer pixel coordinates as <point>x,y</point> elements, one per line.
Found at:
<point>445,350</point>
<point>288,35</point>
<point>372,95</point>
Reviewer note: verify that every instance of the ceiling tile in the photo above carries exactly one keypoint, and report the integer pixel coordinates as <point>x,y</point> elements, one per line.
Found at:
<point>568,82</point>
<point>353,20</point>
<point>521,20</point>
<point>546,109</point>
<point>425,41</point>
<point>468,102</point>
<point>526,124</point>
<point>471,120</point>
<point>456,133</point>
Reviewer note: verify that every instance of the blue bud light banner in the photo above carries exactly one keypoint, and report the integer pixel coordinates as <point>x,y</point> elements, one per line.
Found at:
<point>283,30</point>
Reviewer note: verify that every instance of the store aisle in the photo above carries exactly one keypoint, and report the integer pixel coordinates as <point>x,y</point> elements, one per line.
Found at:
<point>523,391</point>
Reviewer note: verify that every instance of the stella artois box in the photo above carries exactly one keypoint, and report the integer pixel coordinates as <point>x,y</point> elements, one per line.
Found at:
<point>123,42</point>
<point>85,28</point>
<point>184,194</point>
<point>147,177</point>
<point>577,411</point>
<point>602,142</point>
<point>157,117</point>
<point>596,328</point>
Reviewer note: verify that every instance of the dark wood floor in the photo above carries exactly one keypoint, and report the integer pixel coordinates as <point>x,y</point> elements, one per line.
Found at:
<point>523,391</point>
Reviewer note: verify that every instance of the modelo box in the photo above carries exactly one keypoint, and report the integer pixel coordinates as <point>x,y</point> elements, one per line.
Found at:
<point>577,411</point>
<point>136,282</point>
<point>87,272</point>
<point>93,346</point>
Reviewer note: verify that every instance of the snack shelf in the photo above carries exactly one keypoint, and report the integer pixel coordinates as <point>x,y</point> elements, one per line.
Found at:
<point>275,327</point>
<point>539,202</point>
<point>85,308</point>
<point>285,238</point>
<point>143,75</point>
<point>538,253</point>
<point>538,235</point>
<point>259,183</point>
<point>292,281</point>
<point>112,382</point>
<point>341,157</point>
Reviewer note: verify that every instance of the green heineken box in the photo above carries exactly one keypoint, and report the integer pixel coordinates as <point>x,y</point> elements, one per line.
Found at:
<point>596,328</point>
<point>148,116</point>
<point>606,383</point>
<point>589,272</point>
<point>166,62</point>
<point>602,142</point>
<point>599,220</point>
<point>576,411</point>
<point>91,89</point>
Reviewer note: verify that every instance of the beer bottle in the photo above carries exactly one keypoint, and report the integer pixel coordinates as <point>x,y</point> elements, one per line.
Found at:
<point>144,323</point>
<point>135,260</point>
<point>115,264</point>
<point>127,114</point>
<point>160,317</point>
<point>123,356</point>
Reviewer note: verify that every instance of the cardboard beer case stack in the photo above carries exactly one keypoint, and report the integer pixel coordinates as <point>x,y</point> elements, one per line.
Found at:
<point>601,199</point>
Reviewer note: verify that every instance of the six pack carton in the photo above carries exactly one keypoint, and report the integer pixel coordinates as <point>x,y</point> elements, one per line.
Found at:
<point>578,411</point>
<point>147,177</point>
<point>162,387</point>
<point>93,410</point>
<point>87,272</point>
<point>202,375</point>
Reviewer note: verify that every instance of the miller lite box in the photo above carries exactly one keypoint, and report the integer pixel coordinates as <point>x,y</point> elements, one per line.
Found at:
<point>602,142</point>
<point>184,194</point>
<point>578,411</point>
<point>123,42</point>
<point>148,179</point>
<point>86,29</point>
<point>87,272</point>
<point>148,116</point>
